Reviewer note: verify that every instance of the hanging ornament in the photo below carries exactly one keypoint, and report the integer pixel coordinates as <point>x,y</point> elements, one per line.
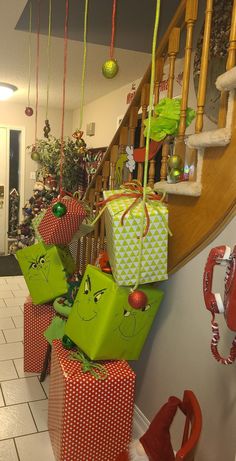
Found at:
<point>29,111</point>
<point>138,299</point>
<point>47,127</point>
<point>78,137</point>
<point>35,156</point>
<point>175,161</point>
<point>175,174</point>
<point>79,133</point>
<point>59,209</point>
<point>110,67</point>
<point>37,71</point>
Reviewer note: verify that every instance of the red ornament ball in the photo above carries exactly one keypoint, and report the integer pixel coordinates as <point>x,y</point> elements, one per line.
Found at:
<point>29,111</point>
<point>138,299</point>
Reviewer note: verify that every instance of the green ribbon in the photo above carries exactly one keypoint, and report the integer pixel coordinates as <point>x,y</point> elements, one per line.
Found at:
<point>94,368</point>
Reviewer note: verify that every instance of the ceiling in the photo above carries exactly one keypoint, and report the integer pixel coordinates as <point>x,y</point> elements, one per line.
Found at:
<point>134,28</point>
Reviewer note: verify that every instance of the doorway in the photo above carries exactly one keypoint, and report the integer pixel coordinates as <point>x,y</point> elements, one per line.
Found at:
<point>12,168</point>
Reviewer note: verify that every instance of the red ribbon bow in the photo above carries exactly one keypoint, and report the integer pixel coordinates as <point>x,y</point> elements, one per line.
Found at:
<point>134,190</point>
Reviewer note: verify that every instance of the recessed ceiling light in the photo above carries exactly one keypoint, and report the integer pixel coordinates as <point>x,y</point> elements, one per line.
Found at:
<point>6,90</point>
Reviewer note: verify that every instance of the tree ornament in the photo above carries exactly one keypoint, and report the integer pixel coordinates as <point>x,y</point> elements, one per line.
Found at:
<point>175,174</point>
<point>35,156</point>
<point>47,128</point>
<point>137,299</point>
<point>175,161</point>
<point>59,209</point>
<point>67,343</point>
<point>110,68</point>
<point>29,111</point>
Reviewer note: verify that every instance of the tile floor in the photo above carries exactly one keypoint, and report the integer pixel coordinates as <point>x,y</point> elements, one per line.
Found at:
<point>23,399</point>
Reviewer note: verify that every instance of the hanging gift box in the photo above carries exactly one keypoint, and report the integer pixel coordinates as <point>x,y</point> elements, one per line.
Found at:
<point>102,322</point>
<point>36,319</point>
<point>123,216</point>
<point>45,269</point>
<point>89,419</point>
<point>62,219</point>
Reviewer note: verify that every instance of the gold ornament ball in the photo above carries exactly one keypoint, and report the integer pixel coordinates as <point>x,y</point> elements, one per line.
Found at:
<point>110,68</point>
<point>175,161</point>
<point>175,174</point>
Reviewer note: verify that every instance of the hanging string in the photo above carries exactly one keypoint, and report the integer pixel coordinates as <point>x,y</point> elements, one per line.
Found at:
<point>113,29</point>
<point>84,64</point>
<point>37,72</point>
<point>29,52</point>
<point>145,176</point>
<point>49,53</point>
<point>64,92</point>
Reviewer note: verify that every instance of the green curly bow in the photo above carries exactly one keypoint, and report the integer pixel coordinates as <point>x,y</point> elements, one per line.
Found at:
<point>167,120</point>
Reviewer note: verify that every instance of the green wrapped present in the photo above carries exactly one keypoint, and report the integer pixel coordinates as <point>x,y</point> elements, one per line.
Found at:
<point>45,268</point>
<point>103,324</point>
<point>123,240</point>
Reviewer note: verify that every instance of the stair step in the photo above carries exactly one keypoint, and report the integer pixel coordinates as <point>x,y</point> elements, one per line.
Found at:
<point>213,138</point>
<point>226,81</point>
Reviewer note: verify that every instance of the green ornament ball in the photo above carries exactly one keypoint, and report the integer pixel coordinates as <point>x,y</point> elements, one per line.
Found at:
<point>175,161</point>
<point>35,156</point>
<point>59,209</point>
<point>110,68</point>
<point>67,343</point>
<point>175,174</point>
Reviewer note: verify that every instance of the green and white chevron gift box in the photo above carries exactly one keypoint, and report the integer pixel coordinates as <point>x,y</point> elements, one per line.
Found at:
<point>123,242</point>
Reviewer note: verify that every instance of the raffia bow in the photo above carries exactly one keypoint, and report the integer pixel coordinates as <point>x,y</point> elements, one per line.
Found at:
<point>94,368</point>
<point>134,190</point>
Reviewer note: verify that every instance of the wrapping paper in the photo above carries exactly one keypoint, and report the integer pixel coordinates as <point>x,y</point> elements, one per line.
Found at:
<point>103,324</point>
<point>59,231</point>
<point>89,419</point>
<point>123,244</point>
<point>36,320</point>
<point>45,269</point>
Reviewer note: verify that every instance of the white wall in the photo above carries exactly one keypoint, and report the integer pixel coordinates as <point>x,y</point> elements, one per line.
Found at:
<point>13,115</point>
<point>177,356</point>
<point>104,112</point>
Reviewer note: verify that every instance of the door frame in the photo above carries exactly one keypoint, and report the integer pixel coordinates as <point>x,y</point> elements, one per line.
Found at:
<point>21,175</point>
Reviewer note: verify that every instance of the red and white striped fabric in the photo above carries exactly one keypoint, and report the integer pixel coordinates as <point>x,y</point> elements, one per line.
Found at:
<point>36,319</point>
<point>89,419</point>
<point>59,231</point>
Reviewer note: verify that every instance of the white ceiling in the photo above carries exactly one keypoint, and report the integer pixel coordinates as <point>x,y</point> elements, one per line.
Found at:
<point>14,64</point>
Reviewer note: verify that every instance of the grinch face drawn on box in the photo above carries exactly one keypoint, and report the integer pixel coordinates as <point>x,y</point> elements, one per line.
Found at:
<point>125,321</point>
<point>44,272</point>
<point>103,324</point>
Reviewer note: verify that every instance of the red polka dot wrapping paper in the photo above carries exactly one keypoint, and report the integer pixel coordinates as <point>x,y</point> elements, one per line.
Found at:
<point>89,419</point>
<point>59,231</point>
<point>36,320</point>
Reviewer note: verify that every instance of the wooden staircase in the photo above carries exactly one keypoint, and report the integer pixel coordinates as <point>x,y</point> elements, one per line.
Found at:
<point>201,207</point>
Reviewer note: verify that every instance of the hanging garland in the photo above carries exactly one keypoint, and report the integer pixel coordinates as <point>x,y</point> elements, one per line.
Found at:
<point>47,127</point>
<point>28,110</point>
<point>110,67</point>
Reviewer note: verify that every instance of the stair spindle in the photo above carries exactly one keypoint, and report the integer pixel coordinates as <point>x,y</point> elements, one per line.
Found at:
<point>231,60</point>
<point>190,19</point>
<point>173,49</point>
